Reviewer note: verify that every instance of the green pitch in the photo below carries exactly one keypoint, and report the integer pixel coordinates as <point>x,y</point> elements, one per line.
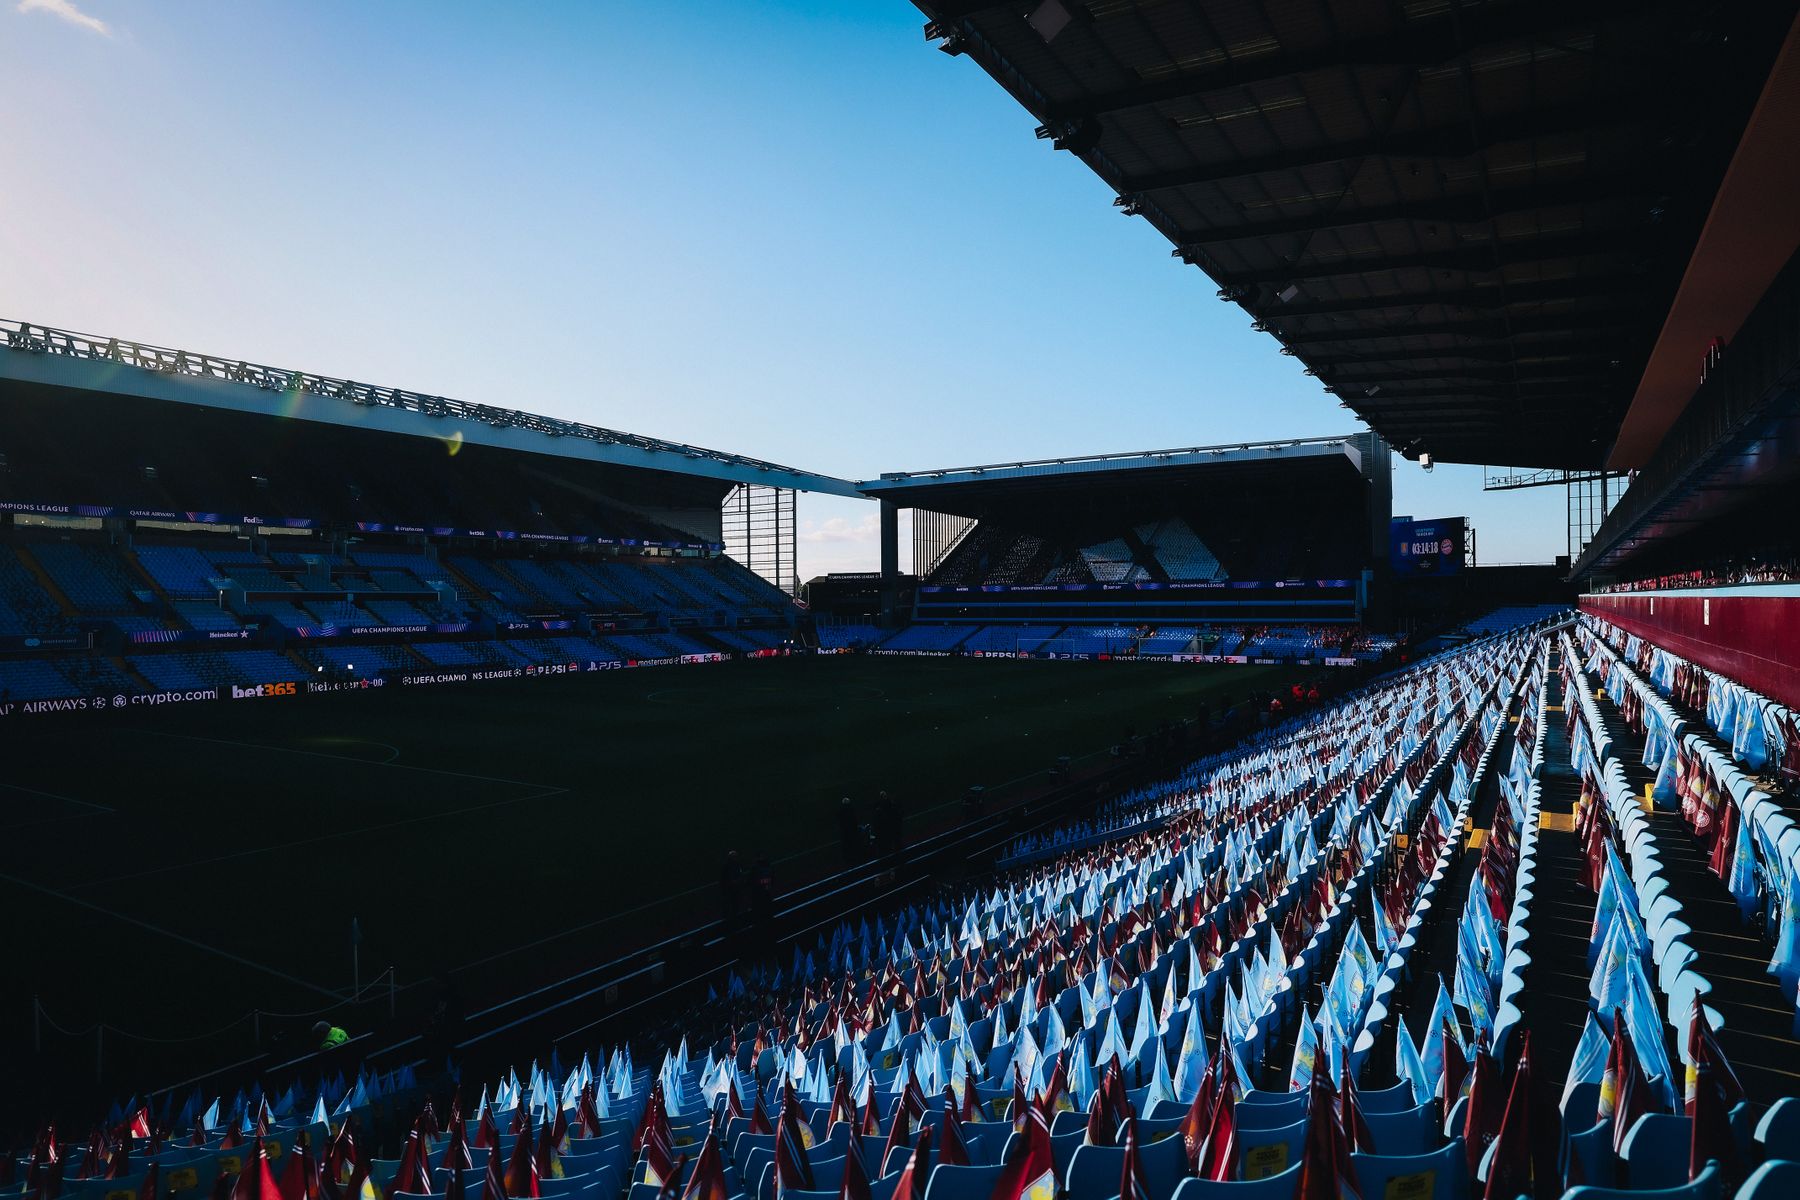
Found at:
<point>170,873</point>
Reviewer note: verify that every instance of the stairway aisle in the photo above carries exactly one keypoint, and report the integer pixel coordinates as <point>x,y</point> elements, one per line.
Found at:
<point>1562,918</point>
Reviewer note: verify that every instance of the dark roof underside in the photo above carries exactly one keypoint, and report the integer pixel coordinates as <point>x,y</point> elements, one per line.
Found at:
<point>1478,212</point>
<point>1149,491</point>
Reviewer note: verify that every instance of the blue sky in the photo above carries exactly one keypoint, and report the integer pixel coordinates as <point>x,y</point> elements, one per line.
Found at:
<point>793,230</point>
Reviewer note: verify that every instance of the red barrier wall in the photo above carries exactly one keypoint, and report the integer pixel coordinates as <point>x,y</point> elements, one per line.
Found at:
<point>1752,639</point>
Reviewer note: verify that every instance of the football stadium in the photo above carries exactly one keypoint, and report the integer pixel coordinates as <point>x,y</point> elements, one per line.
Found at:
<point>411,796</point>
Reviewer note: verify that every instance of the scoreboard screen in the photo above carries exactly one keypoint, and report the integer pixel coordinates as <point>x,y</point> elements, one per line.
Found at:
<point>1432,547</point>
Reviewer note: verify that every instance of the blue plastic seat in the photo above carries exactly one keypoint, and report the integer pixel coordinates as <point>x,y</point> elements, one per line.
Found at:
<point>1656,1151</point>
<point>1590,1158</point>
<point>1275,1187</point>
<point>962,1183</point>
<point>1409,1131</point>
<point>1780,1126</point>
<point>1268,1115</point>
<point>1385,1100</point>
<point>755,1163</point>
<point>1095,1171</point>
<point>1062,1151</point>
<point>1442,1174</point>
<point>746,1142</point>
<point>1772,1181</point>
<point>1578,1112</point>
<point>1710,1186</point>
<point>1263,1152</point>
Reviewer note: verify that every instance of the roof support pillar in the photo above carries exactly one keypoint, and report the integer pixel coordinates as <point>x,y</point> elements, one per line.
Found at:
<point>890,561</point>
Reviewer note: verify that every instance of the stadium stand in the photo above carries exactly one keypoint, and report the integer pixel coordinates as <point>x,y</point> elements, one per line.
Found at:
<point>994,639</point>
<point>26,609</point>
<point>846,635</point>
<point>1259,950</point>
<point>1502,619</point>
<point>1517,917</point>
<point>928,637</point>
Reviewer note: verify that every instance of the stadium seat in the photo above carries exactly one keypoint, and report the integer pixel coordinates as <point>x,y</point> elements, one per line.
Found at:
<point>1442,1174</point>
<point>1779,1129</point>
<point>1390,1099</point>
<point>1094,1172</point>
<point>1656,1151</point>
<point>1409,1131</point>
<point>1270,1110</point>
<point>1274,1187</point>
<point>1710,1185</point>
<point>961,1183</point>
<point>1778,1180</point>
<point>1269,1151</point>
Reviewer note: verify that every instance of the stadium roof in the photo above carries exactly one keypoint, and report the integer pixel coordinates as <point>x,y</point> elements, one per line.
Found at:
<point>57,357</point>
<point>977,491</point>
<point>1468,218</point>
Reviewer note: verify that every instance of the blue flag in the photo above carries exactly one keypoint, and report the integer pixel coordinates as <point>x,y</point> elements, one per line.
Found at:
<point>1785,964</point>
<point>1408,1066</point>
<point>1589,1063</point>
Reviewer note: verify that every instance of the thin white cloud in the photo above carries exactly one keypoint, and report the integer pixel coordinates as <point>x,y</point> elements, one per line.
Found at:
<point>837,529</point>
<point>67,11</point>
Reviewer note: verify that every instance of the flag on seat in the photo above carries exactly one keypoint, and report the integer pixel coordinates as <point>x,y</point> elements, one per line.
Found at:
<point>1216,1157</point>
<point>1513,1158</point>
<point>1326,1172</point>
<point>300,1175</point>
<point>1485,1111</point>
<point>414,1173</point>
<point>254,1180</point>
<point>759,1116</point>
<point>1710,1130</point>
<point>708,1179</point>
<point>1102,1121</point>
<point>493,1187</point>
<point>1623,1095</point>
<point>118,1163</point>
<point>340,1157</point>
<point>487,1134</point>
<point>793,1169</point>
<point>954,1152</point>
<point>456,1154</point>
<point>1356,1130</point>
<point>856,1176</point>
<point>1031,1172</point>
<point>1703,1049</point>
<point>1131,1176</point>
<point>917,1171</point>
<point>522,1169</point>
<point>899,1134</point>
<point>671,1188</point>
